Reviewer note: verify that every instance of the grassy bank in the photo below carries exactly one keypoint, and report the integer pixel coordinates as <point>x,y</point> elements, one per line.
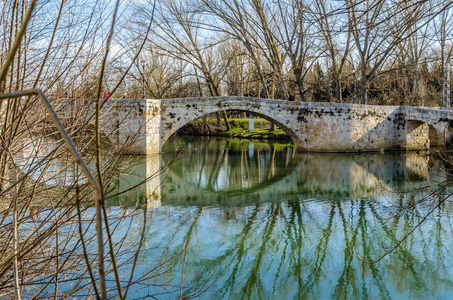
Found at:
<point>239,128</point>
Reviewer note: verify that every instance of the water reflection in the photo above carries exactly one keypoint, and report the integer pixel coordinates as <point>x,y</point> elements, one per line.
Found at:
<point>264,222</point>
<point>305,249</point>
<point>139,179</point>
<point>231,166</point>
<point>212,171</point>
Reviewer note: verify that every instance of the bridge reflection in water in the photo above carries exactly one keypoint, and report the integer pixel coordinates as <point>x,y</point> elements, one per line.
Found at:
<point>209,171</point>
<point>266,222</point>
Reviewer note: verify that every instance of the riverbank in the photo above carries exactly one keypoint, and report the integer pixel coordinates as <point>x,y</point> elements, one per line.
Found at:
<point>239,129</point>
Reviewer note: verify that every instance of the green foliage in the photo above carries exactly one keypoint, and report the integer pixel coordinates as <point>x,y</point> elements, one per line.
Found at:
<point>239,128</point>
<point>257,134</point>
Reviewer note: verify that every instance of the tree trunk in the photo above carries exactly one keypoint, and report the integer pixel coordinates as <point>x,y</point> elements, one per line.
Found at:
<point>227,123</point>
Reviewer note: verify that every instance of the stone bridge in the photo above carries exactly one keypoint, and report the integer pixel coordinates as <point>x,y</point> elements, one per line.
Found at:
<point>317,127</point>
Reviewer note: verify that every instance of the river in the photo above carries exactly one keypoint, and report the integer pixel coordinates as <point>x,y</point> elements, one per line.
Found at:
<point>263,221</point>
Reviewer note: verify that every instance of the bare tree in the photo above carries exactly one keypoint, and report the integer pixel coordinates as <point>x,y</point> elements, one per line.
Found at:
<point>331,22</point>
<point>179,25</point>
<point>296,32</point>
<point>50,246</point>
<point>237,18</point>
<point>378,27</point>
<point>442,35</point>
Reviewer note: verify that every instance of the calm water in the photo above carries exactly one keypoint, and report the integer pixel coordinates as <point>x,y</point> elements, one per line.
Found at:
<point>265,222</point>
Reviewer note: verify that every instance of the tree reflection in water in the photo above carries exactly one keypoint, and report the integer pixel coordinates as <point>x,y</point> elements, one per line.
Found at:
<point>266,222</point>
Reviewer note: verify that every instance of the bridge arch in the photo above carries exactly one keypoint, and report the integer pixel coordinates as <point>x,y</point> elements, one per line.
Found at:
<point>192,112</point>
<point>283,127</point>
<point>426,134</point>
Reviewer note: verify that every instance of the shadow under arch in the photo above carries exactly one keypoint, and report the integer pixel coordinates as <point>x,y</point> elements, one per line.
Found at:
<point>277,120</point>
<point>448,135</point>
<point>426,135</point>
<point>435,138</point>
<point>417,134</point>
